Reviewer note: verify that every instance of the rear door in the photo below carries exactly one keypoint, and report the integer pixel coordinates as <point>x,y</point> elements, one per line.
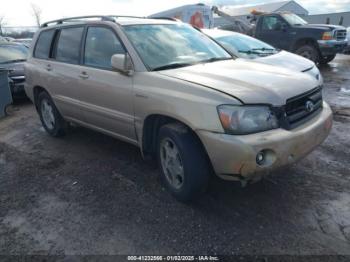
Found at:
<point>64,70</point>
<point>107,95</point>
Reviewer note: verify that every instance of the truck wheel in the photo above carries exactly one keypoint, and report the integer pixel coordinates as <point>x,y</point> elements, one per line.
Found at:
<point>309,52</point>
<point>51,119</point>
<point>184,166</point>
<point>326,59</point>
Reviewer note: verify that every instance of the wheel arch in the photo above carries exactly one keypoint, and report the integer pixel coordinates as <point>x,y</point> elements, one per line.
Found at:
<point>150,132</point>
<point>305,41</point>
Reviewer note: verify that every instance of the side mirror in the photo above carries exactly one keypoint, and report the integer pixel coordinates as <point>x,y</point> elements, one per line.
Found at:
<point>122,63</point>
<point>284,27</point>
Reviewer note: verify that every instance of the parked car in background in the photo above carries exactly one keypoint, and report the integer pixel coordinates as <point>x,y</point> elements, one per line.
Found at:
<point>25,41</point>
<point>12,57</point>
<point>3,39</point>
<point>9,39</point>
<point>178,95</point>
<point>288,31</point>
<point>247,47</point>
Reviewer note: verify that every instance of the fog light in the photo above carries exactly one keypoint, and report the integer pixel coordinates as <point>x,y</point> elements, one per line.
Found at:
<point>260,158</point>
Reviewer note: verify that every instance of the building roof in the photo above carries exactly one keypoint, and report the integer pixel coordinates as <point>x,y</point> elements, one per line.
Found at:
<point>246,9</point>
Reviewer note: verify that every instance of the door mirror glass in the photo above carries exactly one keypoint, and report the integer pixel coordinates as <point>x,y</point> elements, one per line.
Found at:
<point>121,63</point>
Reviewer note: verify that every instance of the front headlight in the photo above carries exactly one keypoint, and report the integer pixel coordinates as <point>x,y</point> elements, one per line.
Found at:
<point>243,120</point>
<point>327,36</point>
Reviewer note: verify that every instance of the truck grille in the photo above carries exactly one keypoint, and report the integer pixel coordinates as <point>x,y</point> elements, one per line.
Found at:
<point>301,108</point>
<point>340,35</point>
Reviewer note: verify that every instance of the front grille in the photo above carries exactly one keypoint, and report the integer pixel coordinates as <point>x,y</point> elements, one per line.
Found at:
<point>340,35</point>
<point>301,108</point>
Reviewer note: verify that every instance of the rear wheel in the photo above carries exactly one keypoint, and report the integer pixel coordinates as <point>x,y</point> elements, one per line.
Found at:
<point>51,119</point>
<point>327,59</point>
<point>310,52</point>
<point>184,165</point>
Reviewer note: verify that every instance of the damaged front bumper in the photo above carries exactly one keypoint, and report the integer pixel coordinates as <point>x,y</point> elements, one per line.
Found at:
<point>252,156</point>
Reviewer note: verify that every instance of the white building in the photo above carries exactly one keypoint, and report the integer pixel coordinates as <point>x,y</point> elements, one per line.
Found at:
<point>342,18</point>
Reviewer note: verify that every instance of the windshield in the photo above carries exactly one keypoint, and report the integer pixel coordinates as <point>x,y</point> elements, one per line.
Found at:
<point>173,45</point>
<point>245,46</point>
<point>293,19</point>
<point>11,53</point>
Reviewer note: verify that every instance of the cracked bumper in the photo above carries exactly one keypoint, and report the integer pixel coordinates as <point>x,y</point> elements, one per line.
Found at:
<point>234,157</point>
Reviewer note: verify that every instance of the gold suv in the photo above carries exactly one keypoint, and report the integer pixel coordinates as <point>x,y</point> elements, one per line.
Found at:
<point>178,95</point>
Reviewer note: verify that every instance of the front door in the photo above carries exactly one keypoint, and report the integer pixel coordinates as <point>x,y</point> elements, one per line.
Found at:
<point>274,31</point>
<point>106,95</point>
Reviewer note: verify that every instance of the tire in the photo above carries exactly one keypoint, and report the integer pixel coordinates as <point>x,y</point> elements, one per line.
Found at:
<point>310,52</point>
<point>51,119</point>
<point>325,60</point>
<point>191,160</point>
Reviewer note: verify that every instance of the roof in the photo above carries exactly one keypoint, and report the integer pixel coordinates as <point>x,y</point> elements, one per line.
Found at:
<point>246,9</point>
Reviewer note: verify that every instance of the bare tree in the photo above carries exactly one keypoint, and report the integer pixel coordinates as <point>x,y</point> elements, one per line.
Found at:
<point>2,23</point>
<point>36,11</point>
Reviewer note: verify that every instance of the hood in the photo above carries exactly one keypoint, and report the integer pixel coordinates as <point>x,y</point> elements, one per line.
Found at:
<point>16,69</point>
<point>322,27</point>
<point>248,81</point>
<point>287,60</point>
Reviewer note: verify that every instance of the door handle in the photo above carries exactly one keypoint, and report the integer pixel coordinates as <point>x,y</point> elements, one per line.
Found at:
<point>84,75</point>
<point>48,67</point>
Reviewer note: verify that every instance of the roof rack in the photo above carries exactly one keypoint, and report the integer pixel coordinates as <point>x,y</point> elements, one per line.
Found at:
<point>110,18</point>
<point>164,18</point>
<point>127,16</point>
<point>61,21</point>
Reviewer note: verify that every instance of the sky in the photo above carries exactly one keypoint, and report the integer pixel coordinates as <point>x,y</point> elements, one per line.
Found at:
<point>18,12</point>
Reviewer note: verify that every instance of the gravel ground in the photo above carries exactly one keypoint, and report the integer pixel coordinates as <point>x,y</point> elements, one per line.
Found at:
<point>90,194</point>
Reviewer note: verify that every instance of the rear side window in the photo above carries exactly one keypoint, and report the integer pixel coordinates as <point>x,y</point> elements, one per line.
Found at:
<point>43,45</point>
<point>68,45</point>
<point>101,44</point>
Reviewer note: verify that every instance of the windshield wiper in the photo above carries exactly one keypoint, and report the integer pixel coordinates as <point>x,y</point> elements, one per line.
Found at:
<point>249,52</point>
<point>263,49</point>
<point>214,59</point>
<point>177,65</point>
<point>13,61</point>
<point>171,66</point>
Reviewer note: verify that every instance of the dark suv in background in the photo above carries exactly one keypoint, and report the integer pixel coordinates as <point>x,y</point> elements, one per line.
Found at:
<point>12,58</point>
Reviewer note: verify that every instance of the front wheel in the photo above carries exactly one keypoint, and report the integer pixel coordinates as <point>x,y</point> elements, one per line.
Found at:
<point>51,119</point>
<point>326,59</point>
<point>184,165</point>
<point>310,52</point>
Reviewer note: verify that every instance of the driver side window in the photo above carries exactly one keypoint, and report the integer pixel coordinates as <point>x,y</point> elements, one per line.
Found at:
<point>101,44</point>
<point>271,23</point>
